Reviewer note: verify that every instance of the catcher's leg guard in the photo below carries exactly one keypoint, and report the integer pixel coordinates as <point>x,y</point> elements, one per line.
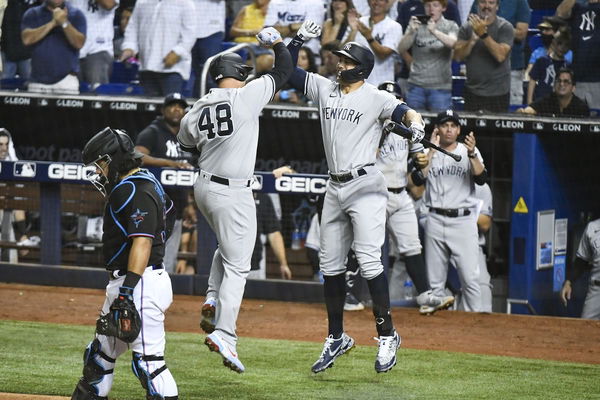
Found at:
<point>93,373</point>
<point>140,366</point>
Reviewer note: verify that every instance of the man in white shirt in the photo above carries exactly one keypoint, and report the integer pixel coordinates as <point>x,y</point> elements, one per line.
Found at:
<point>288,15</point>
<point>96,55</point>
<point>162,33</point>
<point>382,35</point>
<point>210,33</point>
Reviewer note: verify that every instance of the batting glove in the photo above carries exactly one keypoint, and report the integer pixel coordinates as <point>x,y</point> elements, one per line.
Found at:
<point>309,30</point>
<point>268,36</point>
<point>418,132</point>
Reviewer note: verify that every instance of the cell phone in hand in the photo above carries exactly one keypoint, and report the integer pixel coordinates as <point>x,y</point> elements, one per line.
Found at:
<point>423,18</point>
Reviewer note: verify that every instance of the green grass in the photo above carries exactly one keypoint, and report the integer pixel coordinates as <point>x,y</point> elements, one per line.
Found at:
<point>41,358</point>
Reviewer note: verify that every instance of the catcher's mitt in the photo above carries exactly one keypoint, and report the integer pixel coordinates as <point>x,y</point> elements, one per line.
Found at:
<point>123,320</point>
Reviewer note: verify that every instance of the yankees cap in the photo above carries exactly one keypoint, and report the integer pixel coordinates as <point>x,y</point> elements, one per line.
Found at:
<point>448,115</point>
<point>175,98</point>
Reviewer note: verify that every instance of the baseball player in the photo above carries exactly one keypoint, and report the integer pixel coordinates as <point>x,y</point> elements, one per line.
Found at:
<point>356,197</point>
<point>137,219</point>
<point>450,227</point>
<point>223,127</point>
<point>392,160</point>
<point>483,193</point>
<point>588,257</point>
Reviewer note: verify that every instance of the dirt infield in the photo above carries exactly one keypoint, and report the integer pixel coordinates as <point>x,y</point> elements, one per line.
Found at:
<point>548,338</point>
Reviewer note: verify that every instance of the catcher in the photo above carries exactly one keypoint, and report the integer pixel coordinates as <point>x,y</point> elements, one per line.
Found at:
<point>135,231</point>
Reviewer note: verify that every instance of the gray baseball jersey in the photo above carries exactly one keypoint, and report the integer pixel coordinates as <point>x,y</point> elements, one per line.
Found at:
<point>350,123</point>
<point>392,159</point>
<point>589,250</point>
<point>450,183</point>
<point>223,125</point>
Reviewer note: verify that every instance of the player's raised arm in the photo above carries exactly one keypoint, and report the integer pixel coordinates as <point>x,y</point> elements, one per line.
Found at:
<point>308,30</point>
<point>270,37</point>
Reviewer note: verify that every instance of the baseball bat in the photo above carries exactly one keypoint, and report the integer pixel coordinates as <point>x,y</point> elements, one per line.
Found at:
<point>403,131</point>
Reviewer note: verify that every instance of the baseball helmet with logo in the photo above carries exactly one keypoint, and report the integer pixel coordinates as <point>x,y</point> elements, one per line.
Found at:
<point>391,87</point>
<point>111,151</point>
<point>362,56</point>
<point>229,65</point>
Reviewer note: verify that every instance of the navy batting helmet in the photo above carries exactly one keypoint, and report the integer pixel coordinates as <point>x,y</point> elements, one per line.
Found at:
<point>362,56</point>
<point>113,152</point>
<point>229,65</point>
<point>391,87</point>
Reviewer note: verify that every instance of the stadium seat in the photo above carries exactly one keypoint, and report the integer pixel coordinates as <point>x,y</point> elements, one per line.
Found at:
<point>124,72</point>
<point>12,84</point>
<point>119,89</point>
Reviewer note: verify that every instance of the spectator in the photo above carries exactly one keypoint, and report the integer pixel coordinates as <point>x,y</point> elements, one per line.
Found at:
<point>249,21</point>
<point>96,55</point>
<point>381,35</point>
<point>162,33</point>
<point>14,218</point>
<point>119,34</point>
<point>484,44</point>
<point>586,42</point>
<point>336,27</point>
<point>209,34</point>
<point>430,79</point>
<point>588,257</point>
<point>451,229</point>
<point>562,101</point>
<point>55,30</point>
<point>158,142</point>
<point>484,222</point>
<point>16,58</point>
<point>541,77</point>
<point>518,13</point>
<point>288,15</point>
<point>328,67</point>
<point>268,228</point>
<point>189,237</point>
<point>548,28</point>
<point>406,10</point>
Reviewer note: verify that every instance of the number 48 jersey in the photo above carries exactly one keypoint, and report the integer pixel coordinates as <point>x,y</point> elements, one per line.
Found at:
<point>223,126</point>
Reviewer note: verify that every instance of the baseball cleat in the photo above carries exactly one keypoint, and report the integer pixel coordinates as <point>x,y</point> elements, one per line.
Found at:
<point>207,320</point>
<point>386,353</point>
<point>332,349</point>
<point>430,303</point>
<point>352,303</point>
<point>230,358</point>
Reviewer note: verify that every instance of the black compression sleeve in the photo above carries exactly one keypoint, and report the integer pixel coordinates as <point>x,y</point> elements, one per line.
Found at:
<point>481,178</point>
<point>283,66</point>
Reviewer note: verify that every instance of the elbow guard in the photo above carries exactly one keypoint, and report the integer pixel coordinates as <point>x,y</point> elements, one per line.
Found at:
<point>418,178</point>
<point>481,178</point>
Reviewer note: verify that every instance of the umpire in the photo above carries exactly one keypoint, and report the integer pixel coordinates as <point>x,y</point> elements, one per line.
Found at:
<point>135,231</point>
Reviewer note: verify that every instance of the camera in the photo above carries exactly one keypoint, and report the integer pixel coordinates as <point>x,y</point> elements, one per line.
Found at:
<point>423,18</point>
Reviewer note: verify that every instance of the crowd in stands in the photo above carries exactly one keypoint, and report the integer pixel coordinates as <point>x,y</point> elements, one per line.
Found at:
<point>468,54</point>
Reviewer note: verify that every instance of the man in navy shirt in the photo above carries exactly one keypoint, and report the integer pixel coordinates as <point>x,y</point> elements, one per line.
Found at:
<point>584,21</point>
<point>55,30</point>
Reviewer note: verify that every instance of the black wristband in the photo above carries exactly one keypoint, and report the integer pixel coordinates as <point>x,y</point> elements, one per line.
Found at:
<point>485,34</point>
<point>370,40</point>
<point>131,279</point>
<point>20,228</point>
<point>418,178</point>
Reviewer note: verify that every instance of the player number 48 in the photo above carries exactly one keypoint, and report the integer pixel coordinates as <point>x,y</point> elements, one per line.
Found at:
<point>221,113</point>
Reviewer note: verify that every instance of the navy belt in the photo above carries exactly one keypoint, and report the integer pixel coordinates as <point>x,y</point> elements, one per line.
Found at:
<point>347,176</point>
<point>396,190</point>
<point>225,181</point>
<point>117,273</point>
<point>451,212</point>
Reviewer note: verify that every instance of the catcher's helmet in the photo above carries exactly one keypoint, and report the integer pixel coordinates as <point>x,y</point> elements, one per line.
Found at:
<point>391,87</point>
<point>229,65</point>
<point>116,150</point>
<point>363,58</point>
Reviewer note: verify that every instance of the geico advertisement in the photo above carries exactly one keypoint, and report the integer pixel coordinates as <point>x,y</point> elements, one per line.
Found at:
<point>298,184</point>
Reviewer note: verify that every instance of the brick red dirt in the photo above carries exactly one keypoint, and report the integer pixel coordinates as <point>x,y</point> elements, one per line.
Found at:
<point>548,338</point>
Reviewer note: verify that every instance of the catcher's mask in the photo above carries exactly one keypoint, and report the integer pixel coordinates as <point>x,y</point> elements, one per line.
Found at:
<point>111,152</point>
<point>363,58</point>
<point>229,65</point>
